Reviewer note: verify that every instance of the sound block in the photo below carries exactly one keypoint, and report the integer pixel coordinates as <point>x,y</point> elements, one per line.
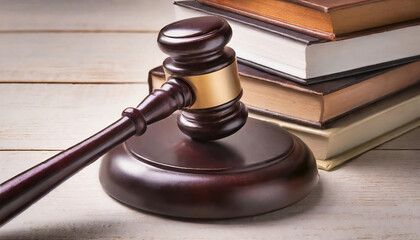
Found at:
<point>259,169</point>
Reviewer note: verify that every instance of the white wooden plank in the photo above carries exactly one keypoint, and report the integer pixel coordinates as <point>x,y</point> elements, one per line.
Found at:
<point>56,116</point>
<point>81,15</point>
<point>376,196</point>
<point>78,57</point>
<point>410,140</point>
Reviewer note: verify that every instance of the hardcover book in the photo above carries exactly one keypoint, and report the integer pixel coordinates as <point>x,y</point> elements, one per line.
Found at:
<point>318,105</point>
<point>307,59</point>
<point>360,132</point>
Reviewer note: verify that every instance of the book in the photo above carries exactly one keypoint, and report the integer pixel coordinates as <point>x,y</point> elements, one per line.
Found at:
<point>324,18</point>
<point>356,134</point>
<point>318,105</point>
<point>306,57</point>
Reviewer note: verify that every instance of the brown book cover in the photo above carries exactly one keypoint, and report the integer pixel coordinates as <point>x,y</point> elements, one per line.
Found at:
<point>318,105</point>
<point>327,19</point>
<point>284,32</point>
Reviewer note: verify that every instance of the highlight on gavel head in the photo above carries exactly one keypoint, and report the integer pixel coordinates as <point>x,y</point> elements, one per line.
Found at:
<point>199,56</point>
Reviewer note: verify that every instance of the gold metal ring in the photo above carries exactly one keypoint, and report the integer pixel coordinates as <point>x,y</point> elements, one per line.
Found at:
<point>214,89</point>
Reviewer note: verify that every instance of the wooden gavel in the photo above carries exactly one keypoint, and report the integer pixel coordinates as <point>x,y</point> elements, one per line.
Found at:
<point>202,81</point>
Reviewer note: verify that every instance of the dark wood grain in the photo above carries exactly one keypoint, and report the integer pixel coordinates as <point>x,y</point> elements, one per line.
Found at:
<point>201,41</point>
<point>259,169</point>
<point>214,123</point>
<point>241,187</point>
<point>197,46</point>
<point>23,190</point>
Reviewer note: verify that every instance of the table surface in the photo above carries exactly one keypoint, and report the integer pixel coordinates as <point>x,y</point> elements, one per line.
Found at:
<point>68,68</point>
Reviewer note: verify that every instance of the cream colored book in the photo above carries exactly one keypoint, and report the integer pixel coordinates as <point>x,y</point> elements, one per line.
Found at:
<point>361,131</point>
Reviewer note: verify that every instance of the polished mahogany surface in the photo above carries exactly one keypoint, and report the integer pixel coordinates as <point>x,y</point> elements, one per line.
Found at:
<point>239,175</point>
<point>259,169</point>
<point>215,123</point>
<point>166,147</point>
<point>196,46</point>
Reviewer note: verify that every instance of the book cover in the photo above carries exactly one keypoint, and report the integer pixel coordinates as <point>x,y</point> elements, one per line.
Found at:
<point>324,18</point>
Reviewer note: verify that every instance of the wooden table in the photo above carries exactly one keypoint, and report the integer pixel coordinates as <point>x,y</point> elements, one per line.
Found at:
<point>68,69</point>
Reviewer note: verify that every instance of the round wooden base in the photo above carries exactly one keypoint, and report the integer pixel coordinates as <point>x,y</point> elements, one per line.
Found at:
<point>259,169</point>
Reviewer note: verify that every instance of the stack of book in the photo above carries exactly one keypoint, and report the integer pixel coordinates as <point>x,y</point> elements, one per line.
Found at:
<point>342,75</point>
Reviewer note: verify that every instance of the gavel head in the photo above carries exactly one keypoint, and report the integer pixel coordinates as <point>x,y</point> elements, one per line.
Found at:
<point>199,56</point>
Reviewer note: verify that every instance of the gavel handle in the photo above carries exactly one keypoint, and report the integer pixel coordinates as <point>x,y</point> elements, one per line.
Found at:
<point>21,191</point>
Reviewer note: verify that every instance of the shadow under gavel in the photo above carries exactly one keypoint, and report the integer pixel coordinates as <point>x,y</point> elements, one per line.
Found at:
<point>203,83</point>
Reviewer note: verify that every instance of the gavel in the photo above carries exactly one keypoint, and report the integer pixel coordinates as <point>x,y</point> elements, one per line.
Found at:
<point>202,82</point>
